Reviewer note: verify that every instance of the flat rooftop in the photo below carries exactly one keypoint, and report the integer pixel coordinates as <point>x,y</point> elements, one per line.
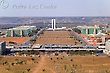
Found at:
<point>56,37</point>
<point>18,40</point>
<point>22,28</point>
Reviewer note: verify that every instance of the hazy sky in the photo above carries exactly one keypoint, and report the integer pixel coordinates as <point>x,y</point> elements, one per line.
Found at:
<point>54,8</point>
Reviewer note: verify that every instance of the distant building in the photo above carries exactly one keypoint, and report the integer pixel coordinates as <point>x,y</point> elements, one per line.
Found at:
<point>53,24</point>
<point>21,31</point>
<point>89,30</point>
<point>107,48</point>
<point>2,47</point>
<point>107,30</point>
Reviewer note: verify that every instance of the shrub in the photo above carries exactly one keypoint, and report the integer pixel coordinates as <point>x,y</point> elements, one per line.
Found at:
<point>43,70</point>
<point>71,59</point>
<point>32,59</point>
<point>28,70</point>
<point>51,58</point>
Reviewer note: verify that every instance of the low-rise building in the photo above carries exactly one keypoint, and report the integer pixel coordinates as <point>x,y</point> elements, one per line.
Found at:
<point>21,31</point>
<point>107,48</point>
<point>89,30</point>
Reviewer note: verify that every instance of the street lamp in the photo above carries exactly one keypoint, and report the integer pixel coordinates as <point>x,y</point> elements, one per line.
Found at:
<point>93,57</point>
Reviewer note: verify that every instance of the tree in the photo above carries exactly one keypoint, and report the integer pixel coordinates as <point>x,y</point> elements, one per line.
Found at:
<point>32,59</point>
<point>71,60</point>
<point>43,70</point>
<point>28,70</point>
<point>12,64</point>
<point>51,58</point>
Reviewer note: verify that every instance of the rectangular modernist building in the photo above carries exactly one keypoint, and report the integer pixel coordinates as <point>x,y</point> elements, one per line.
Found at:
<point>21,31</point>
<point>89,30</point>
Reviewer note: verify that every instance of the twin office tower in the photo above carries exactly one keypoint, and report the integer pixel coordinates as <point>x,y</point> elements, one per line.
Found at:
<point>53,24</point>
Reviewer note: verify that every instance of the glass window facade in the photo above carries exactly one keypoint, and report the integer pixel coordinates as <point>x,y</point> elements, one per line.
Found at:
<point>83,31</point>
<point>16,33</point>
<point>9,33</point>
<point>91,31</point>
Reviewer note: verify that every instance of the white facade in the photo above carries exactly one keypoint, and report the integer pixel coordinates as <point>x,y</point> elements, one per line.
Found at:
<point>107,48</point>
<point>53,24</point>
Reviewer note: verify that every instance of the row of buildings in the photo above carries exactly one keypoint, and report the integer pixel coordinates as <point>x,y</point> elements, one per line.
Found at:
<point>89,30</point>
<point>16,37</point>
<point>21,31</point>
<point>95,35</point>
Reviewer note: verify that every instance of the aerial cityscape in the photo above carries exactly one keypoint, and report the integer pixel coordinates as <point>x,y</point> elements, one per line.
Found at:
<point>54,36</point>
<point>55,45</point>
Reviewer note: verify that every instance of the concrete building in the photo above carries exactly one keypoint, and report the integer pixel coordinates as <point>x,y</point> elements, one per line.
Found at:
<point>89,30</point>
<point>2,47</point>
<point>21,31</point>
<point>53,24</point>
<point>107,48</point>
